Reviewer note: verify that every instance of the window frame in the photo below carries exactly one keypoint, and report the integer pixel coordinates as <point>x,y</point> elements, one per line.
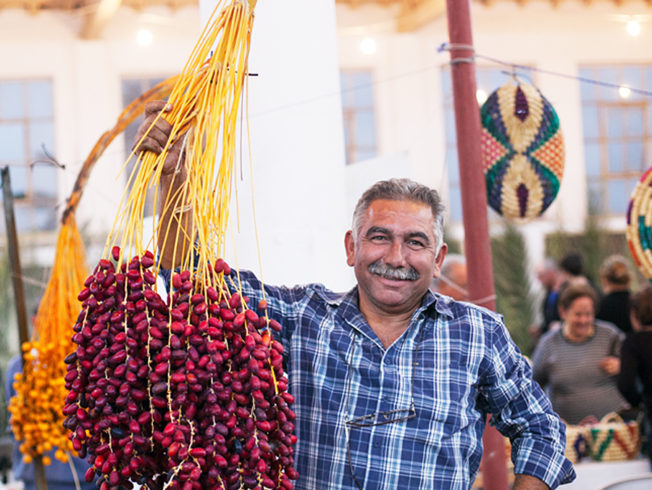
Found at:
<point>31,202</point>
<point>352,112</point>
<point>609,190</point>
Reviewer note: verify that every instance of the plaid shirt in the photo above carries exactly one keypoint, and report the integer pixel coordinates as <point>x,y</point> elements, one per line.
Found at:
<point>433,388</point>
<point>453,365</point>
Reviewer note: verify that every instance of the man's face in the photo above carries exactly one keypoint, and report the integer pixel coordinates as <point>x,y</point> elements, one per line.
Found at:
<point>394,256</point>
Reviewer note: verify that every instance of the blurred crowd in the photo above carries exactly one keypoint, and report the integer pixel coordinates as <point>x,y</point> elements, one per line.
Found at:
<point>593,353</point>
<point>593,346</point>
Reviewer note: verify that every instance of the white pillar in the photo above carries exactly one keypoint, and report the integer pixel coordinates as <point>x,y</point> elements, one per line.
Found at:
<point>297,146</point>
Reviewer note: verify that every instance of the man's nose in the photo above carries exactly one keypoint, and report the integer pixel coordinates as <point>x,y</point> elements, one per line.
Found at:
<point>395,255</point>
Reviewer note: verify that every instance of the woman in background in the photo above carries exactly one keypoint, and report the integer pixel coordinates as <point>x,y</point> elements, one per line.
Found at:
<point>578,364</point>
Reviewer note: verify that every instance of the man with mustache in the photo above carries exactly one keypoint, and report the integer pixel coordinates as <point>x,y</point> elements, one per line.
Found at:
<point>393,383</point>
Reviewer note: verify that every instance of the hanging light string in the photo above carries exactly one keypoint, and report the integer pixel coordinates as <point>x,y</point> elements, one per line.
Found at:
<point>514,66</point>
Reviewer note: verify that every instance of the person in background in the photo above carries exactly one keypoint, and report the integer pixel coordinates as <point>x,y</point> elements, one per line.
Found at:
<point>453,278</point>
<point>551,280</point>
<point>635,378</point>
<point>571,269</point>
<point>58,475</point>
<point>578,364</point>
<point>614,305</point>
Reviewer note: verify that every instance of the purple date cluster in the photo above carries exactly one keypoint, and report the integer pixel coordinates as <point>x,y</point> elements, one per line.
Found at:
<point>183,394</point>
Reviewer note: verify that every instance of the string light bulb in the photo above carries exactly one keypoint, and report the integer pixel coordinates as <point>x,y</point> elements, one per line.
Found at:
<point>624,91</point>
<point>633,27</point>
<point>368,46</point>
<point>144,37</point>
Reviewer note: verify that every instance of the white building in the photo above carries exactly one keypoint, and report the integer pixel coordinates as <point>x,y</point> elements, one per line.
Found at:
<point>62,90</point>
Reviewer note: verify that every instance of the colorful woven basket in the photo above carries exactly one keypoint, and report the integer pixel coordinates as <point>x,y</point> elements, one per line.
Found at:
<point>613,439</point>
<point>522,151</point>
<point>639,224</point>
<point>577,437</point>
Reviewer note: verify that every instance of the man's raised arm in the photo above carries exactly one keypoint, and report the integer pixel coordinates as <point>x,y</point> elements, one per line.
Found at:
<point>175,219</point>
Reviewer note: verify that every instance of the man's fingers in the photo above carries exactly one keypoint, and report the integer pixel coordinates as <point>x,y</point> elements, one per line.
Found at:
<point>150,145</point>
<point>160,124</point>
<point>156,106</point>
<point>159,133</point>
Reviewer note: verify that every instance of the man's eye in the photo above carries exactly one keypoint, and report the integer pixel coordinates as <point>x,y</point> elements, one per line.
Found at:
<point>415,243</point>
<point>378,238</point>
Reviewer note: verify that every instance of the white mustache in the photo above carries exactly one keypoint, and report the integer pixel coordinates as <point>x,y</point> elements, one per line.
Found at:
<point>393,273</point>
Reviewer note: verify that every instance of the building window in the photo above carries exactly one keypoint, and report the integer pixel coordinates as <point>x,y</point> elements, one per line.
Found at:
<point>132,88</point>
<point>359,115</point>
<point>617,125</point>
<point>487,80</point>
<point>26,139</point>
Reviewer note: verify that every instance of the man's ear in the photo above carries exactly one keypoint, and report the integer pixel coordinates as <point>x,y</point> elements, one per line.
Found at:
<point>439,260</point>
<point>349,245</point>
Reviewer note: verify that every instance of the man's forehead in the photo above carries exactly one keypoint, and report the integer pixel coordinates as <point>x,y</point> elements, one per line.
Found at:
<point>403,214</point>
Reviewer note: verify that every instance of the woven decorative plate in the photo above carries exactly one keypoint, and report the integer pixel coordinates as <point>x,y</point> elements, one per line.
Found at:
<point>522,151</point>
<point>639,224</point>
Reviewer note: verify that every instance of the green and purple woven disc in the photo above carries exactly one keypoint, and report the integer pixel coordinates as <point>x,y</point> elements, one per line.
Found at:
<point>639,224</point>
<point>522,151</point>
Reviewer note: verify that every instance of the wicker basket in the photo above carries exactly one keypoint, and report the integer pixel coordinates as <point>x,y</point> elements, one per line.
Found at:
<point>613,439</point>
<point>577,437</point>
<point>522,151</point>
<point>639,224</point>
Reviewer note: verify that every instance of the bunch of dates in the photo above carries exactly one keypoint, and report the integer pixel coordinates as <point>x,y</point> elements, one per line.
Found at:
<point>186,393</point>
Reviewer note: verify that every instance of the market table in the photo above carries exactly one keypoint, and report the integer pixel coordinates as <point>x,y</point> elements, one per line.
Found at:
<point>592,475</point>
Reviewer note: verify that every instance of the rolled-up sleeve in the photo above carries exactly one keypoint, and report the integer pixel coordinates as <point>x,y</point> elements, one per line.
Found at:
<point>521,411</point>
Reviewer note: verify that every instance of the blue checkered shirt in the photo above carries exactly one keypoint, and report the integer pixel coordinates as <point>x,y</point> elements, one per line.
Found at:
<point>434,385</point>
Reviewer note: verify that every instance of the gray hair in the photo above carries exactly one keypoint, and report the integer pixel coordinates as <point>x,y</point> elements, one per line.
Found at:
<point>402,190</point>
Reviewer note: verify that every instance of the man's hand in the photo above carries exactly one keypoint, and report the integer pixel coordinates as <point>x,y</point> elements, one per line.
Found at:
<point>610,365</point>
<point>157,137</point>
<point>527,482</point>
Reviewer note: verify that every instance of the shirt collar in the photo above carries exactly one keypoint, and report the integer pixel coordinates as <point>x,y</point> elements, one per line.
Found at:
<point>442,304</point>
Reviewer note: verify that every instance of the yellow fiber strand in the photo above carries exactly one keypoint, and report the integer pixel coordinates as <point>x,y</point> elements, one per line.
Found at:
<point>204,112</point>
<point>36,417</point>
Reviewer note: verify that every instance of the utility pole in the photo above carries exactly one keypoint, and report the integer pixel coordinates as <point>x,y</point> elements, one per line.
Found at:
<point>19,296</point>
<point>474,203</point>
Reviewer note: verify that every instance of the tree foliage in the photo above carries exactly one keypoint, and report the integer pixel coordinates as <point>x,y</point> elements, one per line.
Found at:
<point>514,299</point>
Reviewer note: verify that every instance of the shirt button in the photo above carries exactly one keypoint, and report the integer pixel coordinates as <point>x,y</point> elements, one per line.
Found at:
<point>377,443</point>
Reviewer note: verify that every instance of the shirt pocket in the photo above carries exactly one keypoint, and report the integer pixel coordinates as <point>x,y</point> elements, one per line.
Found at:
<point>444,404</point>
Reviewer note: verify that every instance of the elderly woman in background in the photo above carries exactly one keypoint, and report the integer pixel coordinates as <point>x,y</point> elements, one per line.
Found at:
<point>614,305</point>
<point>635,378</point>
<point>578,364</point>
